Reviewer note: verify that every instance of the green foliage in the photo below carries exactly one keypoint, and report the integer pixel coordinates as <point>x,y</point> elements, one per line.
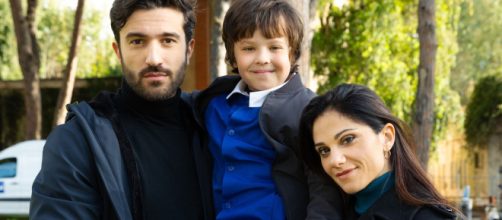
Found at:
<point>447,109</point>
<point>5,30</point>
<point>54,32</point>
<point>484,109</point>
<point>12,108</point>
<point>54,37</point>
<point>375,43</point>
<point>9,68</point>
<point>480,44</point>
<point>95,54</point>
<point>14,218</point>
<point>370,43</point>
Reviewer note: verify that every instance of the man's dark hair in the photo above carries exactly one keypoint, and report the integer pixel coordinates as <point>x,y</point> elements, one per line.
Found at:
<point>274,18</point>
<point>123,9</point>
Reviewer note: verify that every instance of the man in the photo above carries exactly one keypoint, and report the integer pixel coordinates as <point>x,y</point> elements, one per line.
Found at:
<point>134,154</point>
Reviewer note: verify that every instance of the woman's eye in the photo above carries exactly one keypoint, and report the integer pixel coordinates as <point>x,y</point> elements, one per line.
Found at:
<point>348,139</point>
<point>323,151</point>
<point>247,48</point>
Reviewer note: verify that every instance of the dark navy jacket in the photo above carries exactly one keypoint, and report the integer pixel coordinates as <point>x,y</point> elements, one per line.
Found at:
<point>305,195</point>
<point>84,174</point>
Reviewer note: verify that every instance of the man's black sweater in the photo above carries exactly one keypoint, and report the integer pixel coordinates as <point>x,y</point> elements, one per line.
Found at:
<point>159,133</point>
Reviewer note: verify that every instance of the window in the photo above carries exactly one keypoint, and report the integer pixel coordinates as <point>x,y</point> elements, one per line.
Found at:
<point>8,168</point>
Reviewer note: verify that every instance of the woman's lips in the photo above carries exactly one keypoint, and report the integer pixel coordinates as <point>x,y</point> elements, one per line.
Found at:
<point>344,173</point>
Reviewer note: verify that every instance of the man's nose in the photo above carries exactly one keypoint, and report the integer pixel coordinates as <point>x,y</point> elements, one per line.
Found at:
<point>154,57</point>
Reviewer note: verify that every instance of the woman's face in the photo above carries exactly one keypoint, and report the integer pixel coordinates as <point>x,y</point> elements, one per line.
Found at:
<point>352,154</point>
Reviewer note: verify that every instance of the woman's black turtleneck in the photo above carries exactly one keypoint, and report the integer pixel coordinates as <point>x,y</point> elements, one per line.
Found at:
<point>160,135</point>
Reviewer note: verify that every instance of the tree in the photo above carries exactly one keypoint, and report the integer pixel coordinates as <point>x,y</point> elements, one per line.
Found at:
<point>484,110</point>
<point>29,60</point>
<point>351,46</point>
<point>218,66</point>
<point>66,91</point>
<point>307,9</point>
<point>480,45</point>
<point>375,43</point>
<point>423,119</point>
<point>9,67</point>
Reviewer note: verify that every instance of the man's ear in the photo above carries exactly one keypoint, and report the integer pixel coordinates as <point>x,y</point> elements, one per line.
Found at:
<point>190,48</point>
<point>389,135</point>
<point>116,48</point>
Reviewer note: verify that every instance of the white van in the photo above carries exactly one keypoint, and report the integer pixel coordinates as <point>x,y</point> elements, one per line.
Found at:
<point>19,165</point>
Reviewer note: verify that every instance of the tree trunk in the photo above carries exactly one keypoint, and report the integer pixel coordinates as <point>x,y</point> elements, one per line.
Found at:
<point>29,60</point>
<point>66,91</point>
<point>424,100</point>
<point>307,9</point>
<point>218,66</point>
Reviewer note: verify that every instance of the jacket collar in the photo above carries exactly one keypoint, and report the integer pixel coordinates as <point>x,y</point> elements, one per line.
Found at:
<point>389,206</point>
<point>225,85</point>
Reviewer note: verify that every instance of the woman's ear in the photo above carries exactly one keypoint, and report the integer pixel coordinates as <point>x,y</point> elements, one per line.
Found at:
<point>389,135</point>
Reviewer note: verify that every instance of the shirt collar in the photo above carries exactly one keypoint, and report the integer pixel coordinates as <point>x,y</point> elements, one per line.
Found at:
<point>257,98</point>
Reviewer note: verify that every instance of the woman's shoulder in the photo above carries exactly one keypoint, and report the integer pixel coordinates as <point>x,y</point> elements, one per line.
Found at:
<point>435,212</point>
<point>389,206</point>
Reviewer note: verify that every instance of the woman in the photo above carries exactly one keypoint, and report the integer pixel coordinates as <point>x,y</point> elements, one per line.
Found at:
<point>350,136</point>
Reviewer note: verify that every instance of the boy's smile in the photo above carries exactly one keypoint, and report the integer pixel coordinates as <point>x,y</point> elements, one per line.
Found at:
<point>263,63</point>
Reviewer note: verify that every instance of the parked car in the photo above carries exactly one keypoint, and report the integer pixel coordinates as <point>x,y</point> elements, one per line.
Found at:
<point>19,165</point>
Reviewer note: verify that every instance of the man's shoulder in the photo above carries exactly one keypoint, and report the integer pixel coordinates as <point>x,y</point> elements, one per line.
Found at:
<point>223,84</point>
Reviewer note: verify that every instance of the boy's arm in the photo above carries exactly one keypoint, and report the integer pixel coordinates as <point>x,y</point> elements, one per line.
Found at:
<point>66,186</point>
<point>325,200</point>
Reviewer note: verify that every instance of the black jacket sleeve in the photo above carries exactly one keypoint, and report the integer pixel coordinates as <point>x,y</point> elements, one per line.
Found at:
<point>66,187</point>
<point>325,200</point>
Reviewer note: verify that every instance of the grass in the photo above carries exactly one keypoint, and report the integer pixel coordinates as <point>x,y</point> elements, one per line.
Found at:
<point>14,217</point>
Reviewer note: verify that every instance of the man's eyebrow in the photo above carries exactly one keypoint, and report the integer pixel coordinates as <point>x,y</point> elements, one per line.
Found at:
<point>164,34</point>
<point>135,34</point>
<point>171,34</point>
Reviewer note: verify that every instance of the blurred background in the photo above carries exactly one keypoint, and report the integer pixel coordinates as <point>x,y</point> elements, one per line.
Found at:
<point>436,64</point>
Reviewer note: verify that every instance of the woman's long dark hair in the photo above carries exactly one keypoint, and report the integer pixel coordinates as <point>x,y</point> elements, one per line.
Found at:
<point>362,105</point>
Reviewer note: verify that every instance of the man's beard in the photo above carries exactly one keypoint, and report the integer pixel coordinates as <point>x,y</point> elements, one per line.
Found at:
<point>150,92</point>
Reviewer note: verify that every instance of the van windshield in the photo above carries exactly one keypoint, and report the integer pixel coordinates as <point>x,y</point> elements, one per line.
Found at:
<point>8,168</point>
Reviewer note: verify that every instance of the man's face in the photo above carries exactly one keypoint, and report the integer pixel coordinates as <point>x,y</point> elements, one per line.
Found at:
<point>153,52</point>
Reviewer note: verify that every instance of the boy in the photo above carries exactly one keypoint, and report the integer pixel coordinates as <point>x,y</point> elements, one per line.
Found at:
<point>252,119</point>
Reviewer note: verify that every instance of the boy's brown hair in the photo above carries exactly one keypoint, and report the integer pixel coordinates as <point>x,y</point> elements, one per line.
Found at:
<point>274,18</point>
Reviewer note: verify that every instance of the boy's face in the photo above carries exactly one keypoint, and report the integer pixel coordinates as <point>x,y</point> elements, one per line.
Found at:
<point>263,63</point>
<point>153,52</point>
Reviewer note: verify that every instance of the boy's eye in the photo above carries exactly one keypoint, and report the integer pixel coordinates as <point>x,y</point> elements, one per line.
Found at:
<point>323,151</point>
<point>275,47</point>
<point>247,48</point>
<point>348,139</point>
